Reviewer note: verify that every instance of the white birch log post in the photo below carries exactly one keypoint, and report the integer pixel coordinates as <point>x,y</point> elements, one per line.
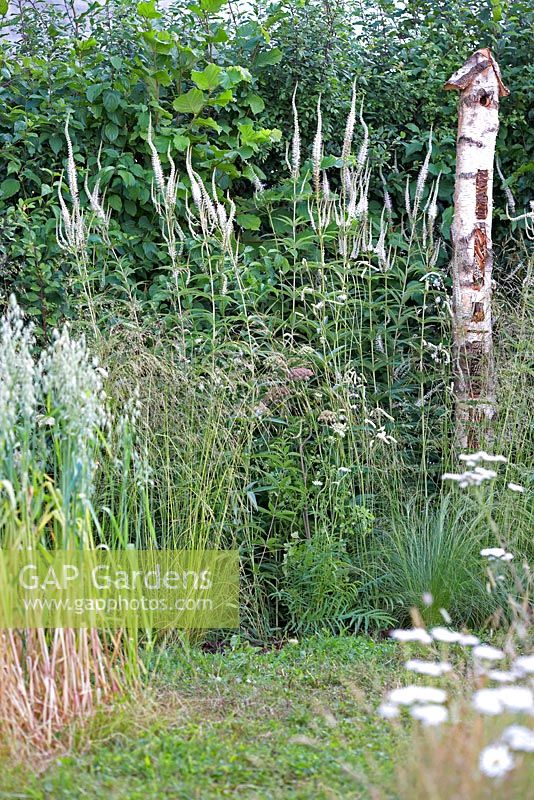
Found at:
<point>480,86</point>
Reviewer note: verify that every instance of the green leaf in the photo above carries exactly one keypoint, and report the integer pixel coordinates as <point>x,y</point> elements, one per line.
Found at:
<point>160,41</point>
<point>256,103</point>
<point>115,202</point>
<point>111,100</point>
<point>212,6</point>
<point>208,122</point>
<point>219,36</point>
<point>111,131</point>
<point>148,10</point>
<point>190,103</point>
<point>162,77</point>
<point>222,99</point>
<point>208,79</point>
<point>9,187</point>
<point>234,75</point>
<point>56,142</point>
<point>4,5</point>
<point>269,57</point>
<point>93,91</point>
<point>181,142</point>
<point>127,178</point>
<point>249,221</point>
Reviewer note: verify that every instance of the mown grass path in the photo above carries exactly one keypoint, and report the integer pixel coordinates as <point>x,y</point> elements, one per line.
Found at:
<point>295,723</point>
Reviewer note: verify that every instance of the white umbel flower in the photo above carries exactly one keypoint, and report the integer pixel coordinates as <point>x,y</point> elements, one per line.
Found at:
<point>388,710</point>
<point>468,640</point>
<point>519,737</point>
<point>517,698</point>
<point>412,635</point>
<point>495,761</point>
<point>430,714</point>
<point>441,634</point>
<point>488,701</point>
<point>493,552</point>
<point>487,652</point>
<point>408,695</point>
<point>432,668</point>
<point>525,664</point>
<point>515,487</point>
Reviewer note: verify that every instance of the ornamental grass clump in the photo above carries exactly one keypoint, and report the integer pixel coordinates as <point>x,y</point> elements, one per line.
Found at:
<point>481,740</point>
<point>53,426</point>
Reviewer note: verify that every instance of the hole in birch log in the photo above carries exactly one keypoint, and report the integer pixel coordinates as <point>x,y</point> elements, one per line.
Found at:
<point>481,253</point>
<point>478,312</point>
<point>485,100</point>
<point>481,208</point>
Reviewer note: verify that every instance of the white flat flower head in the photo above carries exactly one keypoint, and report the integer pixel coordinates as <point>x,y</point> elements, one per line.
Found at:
<point>441,634</point>
<point>519,737</point>
<point>411,635</point>
<point>432,668</point>
<point>525,664</point>
<point>408,695</point>
<point>388,710</point>
<point>493,552</point>
<point>495,761</point>
<point>501,676</point>
<point>517,698</point>
<point>430,714</point>
<point>468,640</point>
<point>488,701</point>
<point>472,459</point>
<point>515,487</point>
<point>487,652</point>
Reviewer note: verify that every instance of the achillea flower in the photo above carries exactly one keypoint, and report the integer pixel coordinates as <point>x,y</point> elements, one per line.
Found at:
<point>388,710</point>
<point>472,459</point>
<point>474,477</point>
<point>430,714</point>
<point>300,374</point>
<point>432,668</point>
<point>441,634</point>
<point>519,737</point>
<point>525,664</point>
<point>468,640</point>
<point>487,652</point>
<point>501,676</point>
<point>515,487</point>
<point>517,698</point>
<point>417,694</point>
<point>487,701</point>
<point>327,417</point>
<point>275,395</point>
<point>493,552</point>
<point>495,761</point>
<point>411,635</point>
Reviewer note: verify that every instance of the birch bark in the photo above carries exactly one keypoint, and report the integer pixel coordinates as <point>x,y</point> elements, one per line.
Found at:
<point>480,85</point>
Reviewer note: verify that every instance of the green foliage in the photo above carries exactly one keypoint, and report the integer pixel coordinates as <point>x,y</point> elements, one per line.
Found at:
<point>291,344</point>
<point>291,723</point>
<point>129,65</point>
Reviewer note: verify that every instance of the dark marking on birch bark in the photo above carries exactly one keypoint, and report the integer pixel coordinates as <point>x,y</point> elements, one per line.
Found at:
<point>474,369</point>
<point>468,140</point>
<point>476,418</point>
<point>478,312</point>
<point>467,175</point>
<point>481,208</point>
<point>481,255</point>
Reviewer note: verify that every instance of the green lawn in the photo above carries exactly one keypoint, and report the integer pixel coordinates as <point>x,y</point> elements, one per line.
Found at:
<point>299,722</point>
